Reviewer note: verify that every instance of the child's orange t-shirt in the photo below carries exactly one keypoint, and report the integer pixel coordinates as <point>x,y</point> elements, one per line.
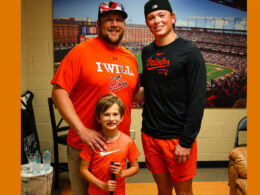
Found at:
<point>118,150</point>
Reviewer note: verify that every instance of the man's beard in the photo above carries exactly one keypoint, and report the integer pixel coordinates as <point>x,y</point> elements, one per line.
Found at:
<point>106,37</point>
<point>112,42</point>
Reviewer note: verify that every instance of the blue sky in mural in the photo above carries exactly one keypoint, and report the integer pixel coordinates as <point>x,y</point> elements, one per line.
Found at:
<point>182,8</point>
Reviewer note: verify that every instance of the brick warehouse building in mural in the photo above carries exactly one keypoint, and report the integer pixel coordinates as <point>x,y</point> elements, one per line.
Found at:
<point>68,32</point>
<point>65,32</point>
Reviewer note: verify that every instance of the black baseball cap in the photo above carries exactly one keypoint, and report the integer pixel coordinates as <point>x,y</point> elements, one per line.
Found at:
<point>108,6</point>
<point>153,5</point>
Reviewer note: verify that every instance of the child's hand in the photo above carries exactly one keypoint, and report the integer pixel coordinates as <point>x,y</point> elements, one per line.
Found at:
<point>110,186</point>
<point>116,169</point>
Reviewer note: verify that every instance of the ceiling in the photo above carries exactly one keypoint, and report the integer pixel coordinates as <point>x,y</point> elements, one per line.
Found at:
<point>237,4</point>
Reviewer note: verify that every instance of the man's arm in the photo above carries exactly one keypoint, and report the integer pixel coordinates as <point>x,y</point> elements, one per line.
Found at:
<point>196,88</point>
<point>139,95</point>
<point>63,103</point>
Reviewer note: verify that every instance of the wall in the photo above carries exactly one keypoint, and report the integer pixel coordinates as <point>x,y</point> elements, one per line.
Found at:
<point>216,137</point>
<point>37,62</point>
<point>218,126</point>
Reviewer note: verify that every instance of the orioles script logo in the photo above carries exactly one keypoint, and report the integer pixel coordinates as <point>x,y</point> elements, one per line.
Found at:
<point>157,63</point>
<point>117,83</point>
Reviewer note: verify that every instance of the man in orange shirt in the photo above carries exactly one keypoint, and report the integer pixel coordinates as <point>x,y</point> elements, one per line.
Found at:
<point>90,70</point>
<point>95,166</point>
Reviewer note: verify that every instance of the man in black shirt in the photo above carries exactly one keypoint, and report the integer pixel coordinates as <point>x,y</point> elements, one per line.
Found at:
<point>174,81</point>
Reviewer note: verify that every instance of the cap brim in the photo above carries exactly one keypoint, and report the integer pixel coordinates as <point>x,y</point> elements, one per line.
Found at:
<point>122,13</point>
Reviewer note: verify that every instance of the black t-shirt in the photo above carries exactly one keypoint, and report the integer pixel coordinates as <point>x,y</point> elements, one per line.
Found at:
<point>174,80</point>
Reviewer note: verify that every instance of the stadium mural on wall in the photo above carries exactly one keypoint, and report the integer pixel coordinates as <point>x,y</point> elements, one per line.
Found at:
<point>218,30</point>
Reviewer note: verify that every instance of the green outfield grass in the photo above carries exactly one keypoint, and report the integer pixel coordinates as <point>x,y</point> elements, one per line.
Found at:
<point>213,71</point>
<point>139,60</point>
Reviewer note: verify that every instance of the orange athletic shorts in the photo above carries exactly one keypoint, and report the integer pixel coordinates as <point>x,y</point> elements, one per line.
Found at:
<point>159,158</point>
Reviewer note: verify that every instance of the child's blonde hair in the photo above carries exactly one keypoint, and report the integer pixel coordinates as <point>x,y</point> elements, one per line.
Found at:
<point>106,102</point>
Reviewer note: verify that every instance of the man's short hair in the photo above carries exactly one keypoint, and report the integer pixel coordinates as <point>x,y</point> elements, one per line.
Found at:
<point>106,101</point>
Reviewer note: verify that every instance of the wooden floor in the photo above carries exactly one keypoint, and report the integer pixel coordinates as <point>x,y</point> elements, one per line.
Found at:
<point>199,188</point>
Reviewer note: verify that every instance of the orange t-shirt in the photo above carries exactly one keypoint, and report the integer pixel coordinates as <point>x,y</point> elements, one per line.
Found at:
<point>92,69</point>
<point>118,150</point>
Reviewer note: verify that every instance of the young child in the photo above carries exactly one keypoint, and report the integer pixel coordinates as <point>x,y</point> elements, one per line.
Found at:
<point>96,166</point>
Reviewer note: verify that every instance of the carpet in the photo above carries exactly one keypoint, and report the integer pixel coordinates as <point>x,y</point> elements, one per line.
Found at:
<point>199,188</point>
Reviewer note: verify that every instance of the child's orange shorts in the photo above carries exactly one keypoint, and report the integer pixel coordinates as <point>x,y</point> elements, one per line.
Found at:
<point>159,158</point>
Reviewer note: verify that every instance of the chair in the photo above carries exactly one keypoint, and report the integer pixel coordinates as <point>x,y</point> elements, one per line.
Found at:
<point>237,171</point>
<point>237,168</point>
<point>58,138</point>
<point>242,126</point>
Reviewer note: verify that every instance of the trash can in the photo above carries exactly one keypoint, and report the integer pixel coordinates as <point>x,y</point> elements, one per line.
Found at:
<point>36,183</point>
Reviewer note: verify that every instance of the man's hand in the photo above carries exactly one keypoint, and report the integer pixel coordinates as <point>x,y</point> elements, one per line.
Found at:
<point>181,154</point>
<point>93,138</point>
